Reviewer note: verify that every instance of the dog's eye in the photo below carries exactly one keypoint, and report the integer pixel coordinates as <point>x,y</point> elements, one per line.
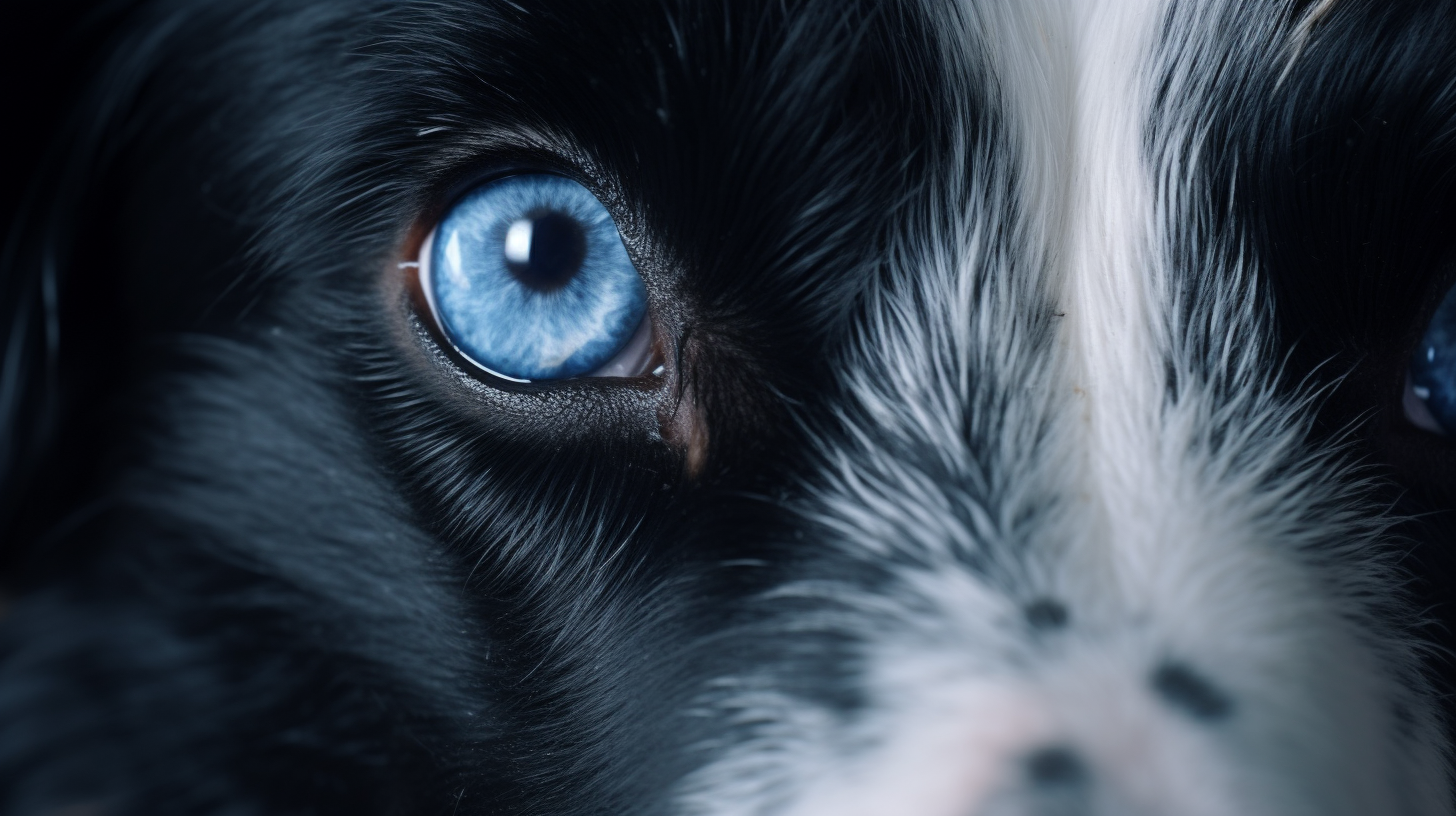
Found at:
<point>1430,398</point>
<point>528,278</point>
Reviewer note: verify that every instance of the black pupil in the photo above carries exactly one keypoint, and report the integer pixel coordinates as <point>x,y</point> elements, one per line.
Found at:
<point>544,251</point>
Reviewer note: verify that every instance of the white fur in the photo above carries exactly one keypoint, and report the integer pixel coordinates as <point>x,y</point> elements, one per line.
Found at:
<point>1174,523</point>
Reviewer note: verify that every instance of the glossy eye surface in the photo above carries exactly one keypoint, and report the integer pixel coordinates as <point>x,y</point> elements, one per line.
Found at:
<point>1430,400</point>
<point>528,278</point>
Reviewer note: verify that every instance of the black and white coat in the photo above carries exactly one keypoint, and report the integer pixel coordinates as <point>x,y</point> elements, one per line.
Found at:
<point>1029,440</point>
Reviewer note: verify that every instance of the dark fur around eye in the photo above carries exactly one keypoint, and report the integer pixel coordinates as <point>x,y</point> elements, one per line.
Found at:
<point>1351,199</point>
<point>1345,182</point>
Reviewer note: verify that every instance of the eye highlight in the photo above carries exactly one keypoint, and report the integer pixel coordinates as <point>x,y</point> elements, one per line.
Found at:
<point>527,278</point>
<point>1430,395</point>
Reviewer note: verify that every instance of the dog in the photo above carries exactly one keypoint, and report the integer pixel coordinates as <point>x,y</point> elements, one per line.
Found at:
<point>706,408</point>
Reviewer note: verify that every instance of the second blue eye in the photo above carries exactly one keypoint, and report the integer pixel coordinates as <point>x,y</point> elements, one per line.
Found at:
<point>528,278</point>
<point>1433,370</point>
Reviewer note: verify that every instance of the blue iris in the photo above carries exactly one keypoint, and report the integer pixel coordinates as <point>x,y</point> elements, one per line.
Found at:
<point>1433,369</point>
<point>529,279</point>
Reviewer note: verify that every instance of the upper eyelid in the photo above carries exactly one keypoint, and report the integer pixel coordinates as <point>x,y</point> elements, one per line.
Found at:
<point>499,161</point>
<point>497,157</point>
<point>446,196</point>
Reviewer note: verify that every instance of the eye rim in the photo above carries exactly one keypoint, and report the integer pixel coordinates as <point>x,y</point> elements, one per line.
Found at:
<point>417,271</point>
